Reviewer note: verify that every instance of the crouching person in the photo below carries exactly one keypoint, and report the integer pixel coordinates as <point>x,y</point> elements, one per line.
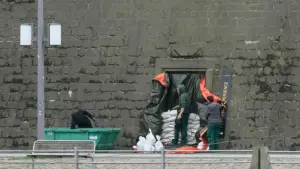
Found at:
<point>81,119</point>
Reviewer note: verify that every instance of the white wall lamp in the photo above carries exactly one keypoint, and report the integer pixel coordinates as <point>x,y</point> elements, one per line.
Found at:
<point>54,34</point>
<point>26,34</point>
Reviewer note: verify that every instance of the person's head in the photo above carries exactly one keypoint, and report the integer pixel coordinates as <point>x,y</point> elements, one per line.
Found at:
<point>210,99</point>
<point>181,89</point>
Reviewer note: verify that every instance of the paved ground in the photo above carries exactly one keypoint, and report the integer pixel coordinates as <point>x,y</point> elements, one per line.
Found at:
<point>287,161</point>
<point>137,161</point>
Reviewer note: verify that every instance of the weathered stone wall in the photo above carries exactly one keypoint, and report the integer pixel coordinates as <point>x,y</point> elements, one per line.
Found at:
<point>112,49</point>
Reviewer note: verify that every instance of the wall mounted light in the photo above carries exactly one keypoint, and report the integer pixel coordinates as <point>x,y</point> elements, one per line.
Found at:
<point>26,34</point>
<point>54,34</point>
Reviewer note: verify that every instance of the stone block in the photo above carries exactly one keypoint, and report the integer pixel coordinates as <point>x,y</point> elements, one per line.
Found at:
<point>103,123</point>
<point>29,113</point>
<point>259,122</point>
<point>117,122</point>
<point>105,96</point>
<point>89,105</point>
<point>114,113</point>
<point>103,114</point>
<point>108,41</point>
<point>125,114</point>
<point>135,113</point>
<point>249,105</point>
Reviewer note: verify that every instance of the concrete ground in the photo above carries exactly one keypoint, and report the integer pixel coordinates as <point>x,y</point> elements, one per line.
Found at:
<point>131,161</point>
<point>148,161</point>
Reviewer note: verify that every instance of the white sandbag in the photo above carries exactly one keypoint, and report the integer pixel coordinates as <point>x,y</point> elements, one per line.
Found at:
<point>192,129</point>
<point>194,117</point>
<point>191,140</point>
<point>170,119</point>
<point>166,140</point>
<point>169,135</point>
<point>194,122</point>
<point>158,145</point>
<point>140,144</point>
<point>193,126</point>
<point>168,125</point>
<point>168,114</point>
<point>150,138</point>
<point>148,147</point>
<point>168,130</point>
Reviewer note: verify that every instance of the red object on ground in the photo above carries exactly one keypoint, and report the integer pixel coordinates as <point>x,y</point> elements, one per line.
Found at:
<point>204,140</point>
<point>162,79</point>
<point>205,92</point>
<point>181,150</point>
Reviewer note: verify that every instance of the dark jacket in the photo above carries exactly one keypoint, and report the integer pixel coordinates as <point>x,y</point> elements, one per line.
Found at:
<point>184,99</point>
<point>213,112</point>
<point>80,118</point>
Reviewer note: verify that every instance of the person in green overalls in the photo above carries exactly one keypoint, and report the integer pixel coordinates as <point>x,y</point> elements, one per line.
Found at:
<point>213,117</point>
<point>182,118</point>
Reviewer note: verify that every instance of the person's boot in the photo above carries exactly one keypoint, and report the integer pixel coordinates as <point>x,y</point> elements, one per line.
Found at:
<point>183,143</point>
<point>175,142</point>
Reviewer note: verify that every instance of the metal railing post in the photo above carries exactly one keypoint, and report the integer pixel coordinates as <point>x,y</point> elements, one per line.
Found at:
<point>76,158</point>
<point>163,160</point>
<point>92,165</point>
<point>32,159</point>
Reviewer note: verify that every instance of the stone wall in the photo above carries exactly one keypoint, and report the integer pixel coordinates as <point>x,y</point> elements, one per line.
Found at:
<point>112,49</point>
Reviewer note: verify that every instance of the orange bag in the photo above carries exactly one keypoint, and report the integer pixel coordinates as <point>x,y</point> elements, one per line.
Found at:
<point>181,150</point>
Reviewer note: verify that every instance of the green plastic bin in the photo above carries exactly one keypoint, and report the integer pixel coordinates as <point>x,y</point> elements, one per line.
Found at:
<point>103,137</point>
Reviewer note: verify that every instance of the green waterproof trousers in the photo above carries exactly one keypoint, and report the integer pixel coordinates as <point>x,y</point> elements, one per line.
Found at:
<point>181,126</point>
<point>213,134</point>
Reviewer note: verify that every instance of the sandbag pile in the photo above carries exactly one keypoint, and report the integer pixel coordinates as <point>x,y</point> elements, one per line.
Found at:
<point>149,144</point>
<point>193,126</point>
<point>169,118</point>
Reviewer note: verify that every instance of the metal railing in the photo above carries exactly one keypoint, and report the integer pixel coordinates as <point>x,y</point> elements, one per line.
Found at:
<point>161,159</point>
<point>284,158</point>
<point>121,159</point>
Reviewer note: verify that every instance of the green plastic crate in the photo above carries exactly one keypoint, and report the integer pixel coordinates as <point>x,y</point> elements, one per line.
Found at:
<point>103,137</point>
